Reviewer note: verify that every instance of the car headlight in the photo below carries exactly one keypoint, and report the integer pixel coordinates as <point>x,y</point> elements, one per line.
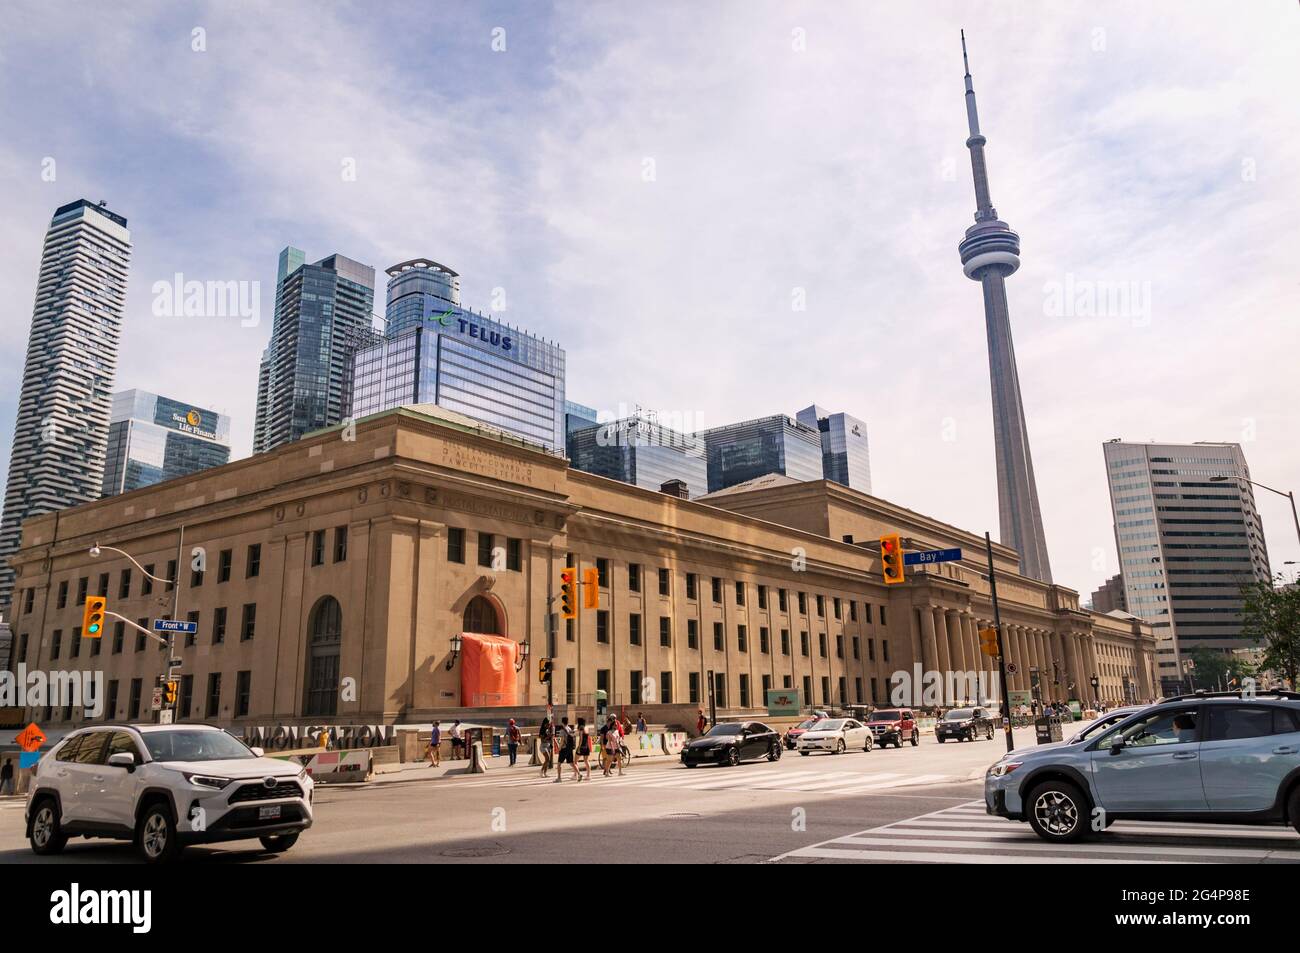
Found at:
<point>302,772</point>
<point>206,780</point>
<point>1003,768</point>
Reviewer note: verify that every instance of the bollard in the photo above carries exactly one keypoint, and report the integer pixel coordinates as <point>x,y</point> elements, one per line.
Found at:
<point>536,759</point>
<point>476,763</point>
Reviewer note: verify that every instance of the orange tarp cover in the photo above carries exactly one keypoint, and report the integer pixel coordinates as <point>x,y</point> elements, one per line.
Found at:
<point>487,671</point>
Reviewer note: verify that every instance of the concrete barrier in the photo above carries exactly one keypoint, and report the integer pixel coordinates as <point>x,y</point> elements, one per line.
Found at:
<point>476,763</point>
<point>673,741</point>
<point>644,744</point>
<point>333,766</point>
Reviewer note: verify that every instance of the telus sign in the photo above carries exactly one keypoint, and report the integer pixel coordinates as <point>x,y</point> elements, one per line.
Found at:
<point>454,319</point>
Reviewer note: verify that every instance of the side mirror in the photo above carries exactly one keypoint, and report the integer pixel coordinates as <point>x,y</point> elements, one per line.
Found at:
<point>122,759</point>
<point>258,752</point>
<point>1117,746</point>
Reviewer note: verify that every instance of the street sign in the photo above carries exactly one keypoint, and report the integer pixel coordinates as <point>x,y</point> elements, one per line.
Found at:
<point>155,703</point>
<point>165,716</point>
<point>931,556</point>
<point>173,625</point>
<point>1012,668</point>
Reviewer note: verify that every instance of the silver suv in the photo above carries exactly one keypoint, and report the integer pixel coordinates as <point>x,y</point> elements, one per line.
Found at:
<point>165,786</point>
<point>1225,758</point>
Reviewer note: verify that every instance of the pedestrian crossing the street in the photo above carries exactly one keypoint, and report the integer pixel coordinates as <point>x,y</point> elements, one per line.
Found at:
<point>742,778</point>
<point>967,835</point>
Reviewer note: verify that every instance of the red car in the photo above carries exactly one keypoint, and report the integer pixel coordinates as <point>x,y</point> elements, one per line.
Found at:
<point>793,734</point>
<point>893,726</point>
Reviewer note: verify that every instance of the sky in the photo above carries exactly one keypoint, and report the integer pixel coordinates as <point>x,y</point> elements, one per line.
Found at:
<point>721,211</point>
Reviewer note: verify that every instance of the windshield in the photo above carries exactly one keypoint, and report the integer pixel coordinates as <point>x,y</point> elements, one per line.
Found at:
<point>717,730</point>
<point>194,746</point>
<point>808,723</point>
<point>959,714</point>
<point>1101,724</point>
<point>884,716</point>
<point>834,724</point>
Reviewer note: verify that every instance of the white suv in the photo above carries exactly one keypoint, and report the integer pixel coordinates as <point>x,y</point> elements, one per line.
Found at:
<point>165,786</point>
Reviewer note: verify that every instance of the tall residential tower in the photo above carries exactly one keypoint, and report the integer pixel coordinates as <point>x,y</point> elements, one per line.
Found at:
<point>66,393</point>
<point>989,252</point>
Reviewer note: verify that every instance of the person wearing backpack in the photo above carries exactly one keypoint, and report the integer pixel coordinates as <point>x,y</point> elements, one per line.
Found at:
<point>584,750</point>
<point>614,745</point>
<point>545,740</point>
<point>564,745</point>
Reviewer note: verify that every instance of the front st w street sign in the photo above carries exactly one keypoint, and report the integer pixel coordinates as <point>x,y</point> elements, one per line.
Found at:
<point>931,556</point>
<point>172,625</point>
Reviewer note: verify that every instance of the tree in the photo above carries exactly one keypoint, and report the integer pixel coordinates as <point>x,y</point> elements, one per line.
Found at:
<point>1271,617</point>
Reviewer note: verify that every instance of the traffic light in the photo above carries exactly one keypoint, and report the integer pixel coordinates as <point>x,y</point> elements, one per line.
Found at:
<point>169,692</point>
<point>989,642</point>
<point>544,669</point>
<point>891,559</point>
<point>591,588</point>
<point>92,617</point>
<point>569,593</point>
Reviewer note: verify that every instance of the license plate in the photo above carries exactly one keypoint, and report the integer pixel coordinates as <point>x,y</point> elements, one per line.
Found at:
<point>268,813</point>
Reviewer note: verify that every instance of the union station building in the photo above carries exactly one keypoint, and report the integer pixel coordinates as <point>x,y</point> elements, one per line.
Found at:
<point>342,579</point>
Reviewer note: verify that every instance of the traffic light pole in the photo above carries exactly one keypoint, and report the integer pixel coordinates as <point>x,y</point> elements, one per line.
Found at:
<point>1002,657</point>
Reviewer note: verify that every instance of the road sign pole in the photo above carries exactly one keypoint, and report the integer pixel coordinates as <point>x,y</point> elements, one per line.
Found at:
<point>1002,657</point>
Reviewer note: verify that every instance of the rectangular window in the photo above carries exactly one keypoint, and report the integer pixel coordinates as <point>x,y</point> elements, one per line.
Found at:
<point>185,702</point>
<point>514,554</point>
<point>821,606</point>
<point>455,544</point>
<point>875,694</point>
<point>839,646</point>
<point>224,560</point>
<point>124,585</point>
<point>569,629</point>
<point>803,643</point>
<point>119,630</point>
<point>214,695</point>
<point>742,638</point>
<point>785,641</point>
<point>692,634</point>
<point>96,646</point>
<point>821,644</point>
<point>857,690</point>
<point>744,691</point>
<point>340,544</point>
<point>665,688</point>
<point>633,577</point>
<point>192,616</point>
<point>717,591</point>
<point>570,686</point>
<point>853,610</point>
<point>63,595</point>
<point>110,710</point>
<point>253,568</point>
<point>740,593</point>
<point>692,581</point>
<point>840,684</point>
<point>218,625</point>
<point>171,575</point>
<point>720,690</point>
<point>882,616</point>
<point>74,644</point>
<point>485,550</point>
<point>602,573</point>
<point>803,604</point>
<point>133,705</point>
<point>82,583</point>
<point>634,678</point>
<point>781,602</point>
<point>665,581</point>
<point>693,688</point>
<point>56,642</point>
<point>102,589</point>
<point>762,639</point>
<point>602,625</point>
<point>248,626</point>
<point>718,639</point>
<point>243,689</point>
<point>857,647</point>
<point>665,631</point>
<point>139,637</point>
<point>871,650</point>
<point>826,690</point>
<point>838,607</point>
<point>884,649</point>
<point>866,612</point>
<point>634,628</point>
<point>196,578</point>
<point>146,581</point>
<point>767,685</point>
<point>762,597</point>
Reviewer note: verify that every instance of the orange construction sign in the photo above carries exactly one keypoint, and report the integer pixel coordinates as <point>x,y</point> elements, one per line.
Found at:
<point>30,738</point>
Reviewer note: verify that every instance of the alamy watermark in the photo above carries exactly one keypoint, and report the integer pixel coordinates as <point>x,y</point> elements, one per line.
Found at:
<point>57,688</point>
<point>179,298</point>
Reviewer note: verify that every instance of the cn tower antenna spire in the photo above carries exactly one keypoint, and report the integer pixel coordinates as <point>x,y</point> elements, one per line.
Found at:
<point>972,117</point>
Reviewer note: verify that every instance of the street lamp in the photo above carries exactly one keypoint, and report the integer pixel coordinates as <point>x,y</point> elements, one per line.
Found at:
<point>1289,495</point>
<point>455,651</point>
<point>521,658</point>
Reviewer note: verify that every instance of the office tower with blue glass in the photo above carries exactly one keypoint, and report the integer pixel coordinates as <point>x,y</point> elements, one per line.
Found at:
<point>754,448</point>
<point>990,251</point>
<point>578,416</point>
<point>436,351</point>
<point>323,315</point>
<point>65,396</point>
<point>845,456</point>
<point>152,438</point>
<point>640,451</point>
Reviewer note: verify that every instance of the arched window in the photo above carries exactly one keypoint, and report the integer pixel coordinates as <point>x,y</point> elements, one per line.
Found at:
<point>324,638</point>
<point>481,617</point>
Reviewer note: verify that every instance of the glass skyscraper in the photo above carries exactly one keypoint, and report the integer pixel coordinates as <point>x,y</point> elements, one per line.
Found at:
<point>322,318</point>
<point>63,405</point>
<point>639,451</point>
<point>845,458</point>
<point>435,351</point>
<point>1187,543</point>
<point>153,438</point>
<point>754,448</point>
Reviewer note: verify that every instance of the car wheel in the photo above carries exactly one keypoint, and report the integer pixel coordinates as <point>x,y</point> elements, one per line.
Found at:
<point>916,739</point>
<point>774,753</point>
<point>155,835</point>
<point>689,764</point>
<point>867,745</point>
<point>1293,808</point>
<point>941,738</point>
<point>804,753</point>
<point>279,843</point>
<point>733,756</point>
<point>1057,812</point>
<point>970,735</point>
<point>839,746</point>
<point>47,835</point>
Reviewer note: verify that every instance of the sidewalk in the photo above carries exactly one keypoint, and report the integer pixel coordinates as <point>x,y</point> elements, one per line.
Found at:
<point>499,766</point>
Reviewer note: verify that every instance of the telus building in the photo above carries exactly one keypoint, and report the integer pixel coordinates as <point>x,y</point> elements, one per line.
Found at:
<point>437,352</point>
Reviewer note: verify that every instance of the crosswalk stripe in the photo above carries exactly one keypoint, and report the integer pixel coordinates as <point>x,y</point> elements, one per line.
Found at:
<point>902,782</point>
<point>1034,845</point>
<point>940,858</point>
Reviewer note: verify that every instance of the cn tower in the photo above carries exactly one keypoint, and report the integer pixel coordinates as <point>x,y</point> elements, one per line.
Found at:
<point>989,252</point>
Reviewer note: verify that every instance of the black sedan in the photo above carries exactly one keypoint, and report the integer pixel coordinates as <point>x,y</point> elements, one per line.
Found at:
<point>732,743</point>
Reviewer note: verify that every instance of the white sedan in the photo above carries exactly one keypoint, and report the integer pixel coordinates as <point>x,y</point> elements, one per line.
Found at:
<point>835,735</point>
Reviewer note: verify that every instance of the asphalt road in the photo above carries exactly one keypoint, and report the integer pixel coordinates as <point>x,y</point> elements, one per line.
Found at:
<point>914,804</point>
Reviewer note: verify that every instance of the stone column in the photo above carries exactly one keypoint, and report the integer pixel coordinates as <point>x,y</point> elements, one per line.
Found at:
<point>952,621</point>
<point>931,660</point>
<point>1044,665</point>
<point>1094,668</point>
<point>936,621</point>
